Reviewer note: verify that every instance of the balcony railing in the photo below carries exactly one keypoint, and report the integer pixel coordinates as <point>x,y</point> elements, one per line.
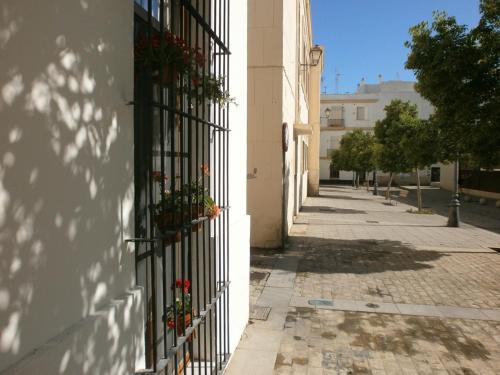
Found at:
<point>336,123</point>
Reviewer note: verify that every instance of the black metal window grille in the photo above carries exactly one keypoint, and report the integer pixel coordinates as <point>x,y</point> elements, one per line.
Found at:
<point>181,182</point>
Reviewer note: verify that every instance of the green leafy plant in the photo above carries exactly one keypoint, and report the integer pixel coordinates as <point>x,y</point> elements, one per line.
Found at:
<point>181,308</point>
<point>189,202</point>
<point>181,65</point>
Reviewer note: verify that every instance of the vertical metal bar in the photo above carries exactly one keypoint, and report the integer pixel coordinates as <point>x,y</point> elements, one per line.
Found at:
<point>162,184</point>
<point>228,18</point>
<point>219,184</point>
<point>190,216</point>
<point>173,181</point>
<point>206,223</point>
<point>184,214</point>
<point>198,275</point>
<point>226,176</point>
<point>151,229</point>
<point>210,189</point>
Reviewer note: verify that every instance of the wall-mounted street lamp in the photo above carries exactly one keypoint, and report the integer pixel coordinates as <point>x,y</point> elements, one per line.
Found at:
<point>328,111</point>
<point>314,55</point>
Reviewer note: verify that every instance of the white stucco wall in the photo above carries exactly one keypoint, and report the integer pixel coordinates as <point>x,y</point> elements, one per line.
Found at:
<point>67,299</point>
<point>66,188</point>
<point>239,236</point>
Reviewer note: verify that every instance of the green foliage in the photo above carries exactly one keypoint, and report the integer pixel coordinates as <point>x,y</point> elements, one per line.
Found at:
<point>356,152</point>
<point>389,132</point>
<point>458,71</point>
<point>419,142</point>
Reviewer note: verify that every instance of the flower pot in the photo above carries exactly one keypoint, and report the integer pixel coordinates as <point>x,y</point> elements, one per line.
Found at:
<point>180,327</point>
<point>166,223</point>
<point>169,75</point>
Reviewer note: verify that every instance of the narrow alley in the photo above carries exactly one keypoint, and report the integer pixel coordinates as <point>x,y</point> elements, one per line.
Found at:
<point>366,287</point>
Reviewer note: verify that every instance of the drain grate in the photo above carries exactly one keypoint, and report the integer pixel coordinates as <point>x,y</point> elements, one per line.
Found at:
<point>497,249</point>
<point>259,312</point>
<point>321,302</point>
<point>372,221</point>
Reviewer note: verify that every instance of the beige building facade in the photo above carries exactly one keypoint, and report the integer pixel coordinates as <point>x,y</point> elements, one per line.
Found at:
<point>342,113</point>
<point>282,65</point>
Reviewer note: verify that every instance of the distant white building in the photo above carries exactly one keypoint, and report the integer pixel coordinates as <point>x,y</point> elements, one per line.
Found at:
<point>342,113</point>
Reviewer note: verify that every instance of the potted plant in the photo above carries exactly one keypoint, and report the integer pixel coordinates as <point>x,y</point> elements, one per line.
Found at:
<point>181,66</point>
<point>181,309</point>
<point>173,55</point>
<point>174,211</point>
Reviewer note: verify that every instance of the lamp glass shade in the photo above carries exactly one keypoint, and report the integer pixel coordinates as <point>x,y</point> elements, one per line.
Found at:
<point>315,55</point>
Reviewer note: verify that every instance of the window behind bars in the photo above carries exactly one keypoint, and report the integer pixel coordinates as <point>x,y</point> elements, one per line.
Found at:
<point>181,109</point>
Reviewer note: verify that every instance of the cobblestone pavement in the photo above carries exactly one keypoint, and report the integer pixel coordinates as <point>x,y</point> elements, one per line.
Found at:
<point>368,288</point>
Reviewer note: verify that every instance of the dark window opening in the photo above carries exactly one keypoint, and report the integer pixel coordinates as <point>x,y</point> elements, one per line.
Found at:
<point>334,173</point>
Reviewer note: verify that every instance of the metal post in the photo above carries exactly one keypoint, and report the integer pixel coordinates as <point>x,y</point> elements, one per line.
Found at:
<point>453,216</point>
<point>375,183</point>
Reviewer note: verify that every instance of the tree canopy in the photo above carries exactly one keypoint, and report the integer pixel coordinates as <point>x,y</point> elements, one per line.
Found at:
<point>458,71</point>
<point>356,152</point>
<point>388,134</point>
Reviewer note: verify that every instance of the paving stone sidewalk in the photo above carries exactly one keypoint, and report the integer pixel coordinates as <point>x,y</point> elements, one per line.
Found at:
<point>367,288</point>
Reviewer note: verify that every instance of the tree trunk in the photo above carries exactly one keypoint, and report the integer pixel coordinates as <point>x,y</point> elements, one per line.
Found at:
<point>419,192</point>
<point>357,180</point>
<point>367,181</point>
<point>388,190</point>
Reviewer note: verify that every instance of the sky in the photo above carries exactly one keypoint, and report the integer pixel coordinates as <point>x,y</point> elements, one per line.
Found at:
<point>365,38</point>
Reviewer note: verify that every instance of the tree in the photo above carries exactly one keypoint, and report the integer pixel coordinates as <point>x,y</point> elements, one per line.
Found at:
<point>420,146</point>
<point>458,71</point>
<point>356,152</point>
<point>388,134</point>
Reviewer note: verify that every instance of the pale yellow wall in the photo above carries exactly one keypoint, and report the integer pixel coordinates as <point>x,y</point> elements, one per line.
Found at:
<point>265,77</point>
<point>275,96</point>
<point>314,121</point>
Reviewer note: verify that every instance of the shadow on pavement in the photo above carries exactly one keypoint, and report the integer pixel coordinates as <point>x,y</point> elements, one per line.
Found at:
<point>330,210</point>
<point>404,335</point>
<point>342,197</point>
<point>484,217</point>
<point>326,256</point>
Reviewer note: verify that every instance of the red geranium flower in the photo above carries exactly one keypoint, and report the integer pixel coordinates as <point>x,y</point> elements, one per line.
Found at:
<point>185,284</point>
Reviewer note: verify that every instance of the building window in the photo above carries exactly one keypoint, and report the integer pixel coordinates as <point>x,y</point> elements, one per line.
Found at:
<point>155,11</point>
<point>334,173</point>
<point>360,113</point>
<point>435,174</point>
<point>181,166</point>
<point>336,117</point>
